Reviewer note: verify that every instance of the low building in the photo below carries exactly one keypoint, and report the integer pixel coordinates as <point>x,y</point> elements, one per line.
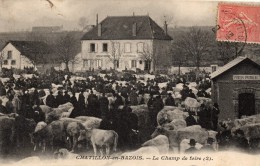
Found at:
<point>21,54</point>
<point>236,88</point>
<point>126,42</point>
<point>47,29</point>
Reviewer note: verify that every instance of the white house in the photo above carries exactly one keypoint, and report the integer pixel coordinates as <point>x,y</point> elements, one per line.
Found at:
<point>21,54</point>
<point>122,42</point>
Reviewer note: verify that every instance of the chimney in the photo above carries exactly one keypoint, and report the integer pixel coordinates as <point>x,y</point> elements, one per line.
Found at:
<point>165,28</point>
<point>97,20</point>
<point>99,29</point>
<point>134,29</point>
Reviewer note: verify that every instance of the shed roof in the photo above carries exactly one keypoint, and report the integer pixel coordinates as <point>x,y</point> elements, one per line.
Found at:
<point>230,65</point>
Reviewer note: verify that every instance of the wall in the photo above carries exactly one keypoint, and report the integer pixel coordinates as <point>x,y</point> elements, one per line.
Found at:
<point>21,61</point>
<point>125,61</point>
<point>225,89</point>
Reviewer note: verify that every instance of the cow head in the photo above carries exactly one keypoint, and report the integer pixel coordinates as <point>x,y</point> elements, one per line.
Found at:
<point>158,131</point>
<point>61,154</point>
<point>82,135</point>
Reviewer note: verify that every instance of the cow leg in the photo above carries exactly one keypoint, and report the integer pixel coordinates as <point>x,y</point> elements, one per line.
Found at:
<point>94,148</point>
<point>44,146</point>
<point>107,150</point>
<point>74,144</point>
<point>101,151</point>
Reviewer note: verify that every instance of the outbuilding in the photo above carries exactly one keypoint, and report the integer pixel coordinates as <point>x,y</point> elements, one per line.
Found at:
<point>236,88</point>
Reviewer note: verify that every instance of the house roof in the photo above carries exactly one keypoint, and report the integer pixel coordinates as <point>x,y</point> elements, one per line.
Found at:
<point>120,28</point>
<point>230,65</point>
<point>31,48</point>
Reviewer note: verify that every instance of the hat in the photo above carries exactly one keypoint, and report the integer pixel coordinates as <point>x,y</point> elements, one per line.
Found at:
<point>192,142</point>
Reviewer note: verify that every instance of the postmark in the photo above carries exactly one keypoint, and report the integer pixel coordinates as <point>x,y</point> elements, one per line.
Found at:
<point>238,23</point>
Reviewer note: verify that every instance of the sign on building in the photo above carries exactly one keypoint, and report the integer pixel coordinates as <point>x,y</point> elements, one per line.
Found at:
<point>246,77</point>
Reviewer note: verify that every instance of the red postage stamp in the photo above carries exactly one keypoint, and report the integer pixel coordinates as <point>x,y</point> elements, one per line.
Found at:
<point>238,23</point>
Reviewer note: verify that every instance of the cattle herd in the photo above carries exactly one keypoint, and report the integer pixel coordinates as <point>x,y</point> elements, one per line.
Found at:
<point>104,114</point>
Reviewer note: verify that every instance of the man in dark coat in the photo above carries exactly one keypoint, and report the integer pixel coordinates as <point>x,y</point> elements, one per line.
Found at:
<point>9,105</point>
<point>66,97</point>
<point>191,94</point>
<point>208,147</point>
<point>184,92</point>
<point>103,105</point>
<point>2,89</point>
<point>38,114</point>
<point>73,100</point>
<point>205,117</point>
<point>133,97</point>
<point>190,120</point>
<point>50,100</point>
<point>59,99</point>
<point>214,116</point>
<point>157,107</point>
<point>118,101</point>
<point>170,100</point>
<point>81,101</point>
<point>192,148</point>
<point>3,110</point>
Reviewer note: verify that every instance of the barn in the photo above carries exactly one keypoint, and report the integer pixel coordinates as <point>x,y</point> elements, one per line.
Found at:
<point>236,88</point>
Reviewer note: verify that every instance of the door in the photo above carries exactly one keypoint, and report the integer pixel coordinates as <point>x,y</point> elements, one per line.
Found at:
<point>147,65</point>
<point>246,105</point>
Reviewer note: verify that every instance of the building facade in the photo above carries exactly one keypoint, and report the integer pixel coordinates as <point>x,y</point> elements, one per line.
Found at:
<point>236,88</point>
<point>126,43</point>
<point>22,54</point>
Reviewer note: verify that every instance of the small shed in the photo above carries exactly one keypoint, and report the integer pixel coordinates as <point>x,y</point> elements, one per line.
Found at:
<point>236,88</point>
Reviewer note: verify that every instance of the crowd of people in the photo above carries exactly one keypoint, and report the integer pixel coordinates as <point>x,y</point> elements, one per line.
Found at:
<point>118,116</point>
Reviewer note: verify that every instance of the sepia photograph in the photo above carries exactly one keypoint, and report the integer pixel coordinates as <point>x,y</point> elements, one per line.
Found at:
<point>130,82</point>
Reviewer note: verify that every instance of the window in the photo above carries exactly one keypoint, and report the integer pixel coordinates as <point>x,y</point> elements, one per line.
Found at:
<point>104,47</point>
<point>98,63</point>
<point>140,47</point>
<point>86,63</point>
<point>127,47</point>
<point>9,55</point>
<point>117,63</point>
<point>13,62</point>
<point>5,62</point>
<point>140,62</point>
<point>92,47</point>
<point>133,63</point>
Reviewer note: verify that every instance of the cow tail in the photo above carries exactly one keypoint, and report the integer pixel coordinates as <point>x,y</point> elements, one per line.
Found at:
<point>115,141</point>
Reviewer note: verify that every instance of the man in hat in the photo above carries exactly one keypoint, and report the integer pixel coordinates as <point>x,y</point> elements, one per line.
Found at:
<point>209,146</point>
<point>192,148</point>
<point>50,100</point>
<point>170,100</point>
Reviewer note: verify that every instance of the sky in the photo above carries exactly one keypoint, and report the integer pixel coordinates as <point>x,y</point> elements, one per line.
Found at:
<point>17,15</point>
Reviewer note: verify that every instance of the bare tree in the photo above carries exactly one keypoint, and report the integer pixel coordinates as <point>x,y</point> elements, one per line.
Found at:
<point>67,49</point>
<point>83,22</point>
<point>116,53</point>
<point>195,44</point>
<point>178,57</point>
